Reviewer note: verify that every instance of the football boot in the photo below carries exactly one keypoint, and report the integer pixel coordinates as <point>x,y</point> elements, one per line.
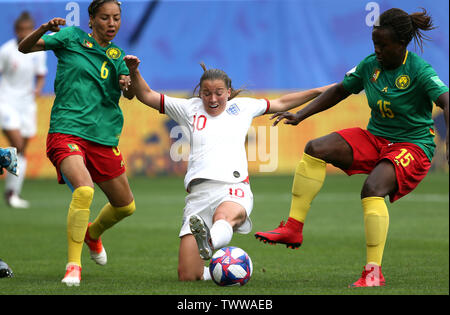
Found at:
<point>371,277</point>
<point>289,234</point>
<point>5,270</point>
<point>73,275</point>
<point>202,236</point>
<point>96,249</point>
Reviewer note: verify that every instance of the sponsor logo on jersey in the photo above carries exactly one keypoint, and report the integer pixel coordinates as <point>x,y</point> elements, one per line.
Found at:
<point>113,53</point>
<point>402,82</point>
<point>375,75</point>
<point>432,131</point>
<point>233,109</point>
<point>384,89</point>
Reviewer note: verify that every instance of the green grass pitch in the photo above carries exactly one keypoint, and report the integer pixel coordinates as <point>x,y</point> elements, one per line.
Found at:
<point>143,249</point>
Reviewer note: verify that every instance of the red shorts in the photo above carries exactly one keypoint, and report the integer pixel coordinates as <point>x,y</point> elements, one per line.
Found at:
<point>103,162</point>
<point>410,162</point>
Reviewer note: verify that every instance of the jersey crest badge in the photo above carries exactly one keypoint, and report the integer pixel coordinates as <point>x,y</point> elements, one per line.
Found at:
<point>113,53</point>
<point>375,75</point>
<point>233,109</point>
<point>402,82</point>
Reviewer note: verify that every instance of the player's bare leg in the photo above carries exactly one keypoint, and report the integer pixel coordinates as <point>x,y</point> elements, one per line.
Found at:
<point>190,264</point>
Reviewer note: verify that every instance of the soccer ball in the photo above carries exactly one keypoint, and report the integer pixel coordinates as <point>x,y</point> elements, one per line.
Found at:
<point>230,266</point>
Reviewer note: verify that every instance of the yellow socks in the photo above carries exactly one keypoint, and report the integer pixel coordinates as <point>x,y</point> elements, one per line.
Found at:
<point>109,216</point>
<point>77,222</point>
<point>376,224</point>
<point>308,180</point>
<point>78,219</point>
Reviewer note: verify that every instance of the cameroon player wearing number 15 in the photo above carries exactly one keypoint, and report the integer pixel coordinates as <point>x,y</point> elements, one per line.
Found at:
<point>85,125</point>
<point>395,150</point>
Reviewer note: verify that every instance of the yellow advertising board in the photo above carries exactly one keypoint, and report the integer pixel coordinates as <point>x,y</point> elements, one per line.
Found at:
<point>152,144</point>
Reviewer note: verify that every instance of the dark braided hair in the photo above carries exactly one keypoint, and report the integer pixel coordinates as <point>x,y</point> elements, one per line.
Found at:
<point>217,74</point>
<point>96,4</point>
<point>407,26</point>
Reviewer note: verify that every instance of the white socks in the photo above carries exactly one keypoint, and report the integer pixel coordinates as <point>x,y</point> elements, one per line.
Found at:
<point>206,274</point>
<point>221,234</point>
<point>15,183</point>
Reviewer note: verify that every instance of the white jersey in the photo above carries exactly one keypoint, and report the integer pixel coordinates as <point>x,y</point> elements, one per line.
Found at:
<point>217,144</point>
<point>18,74</point>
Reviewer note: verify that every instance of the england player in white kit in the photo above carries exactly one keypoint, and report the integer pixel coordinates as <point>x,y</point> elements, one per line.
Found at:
<point>22,78</point>
<point>220,199</point>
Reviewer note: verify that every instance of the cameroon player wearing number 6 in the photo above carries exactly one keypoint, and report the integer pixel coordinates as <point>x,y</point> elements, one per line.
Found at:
<point>395,150</point>
<point>220,199</point>
<point>85,125</point>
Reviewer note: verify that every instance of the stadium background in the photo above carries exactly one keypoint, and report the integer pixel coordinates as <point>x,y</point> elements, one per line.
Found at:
<point>269,47</point>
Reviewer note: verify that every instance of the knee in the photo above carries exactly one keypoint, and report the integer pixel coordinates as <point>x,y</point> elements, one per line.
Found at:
<point>83,196</point>
<point>371,189</point>
<point>233,214</point>
<point>380,183</point>
<point>314,149</point>
<point>127,210</point>
<point>84,192</point>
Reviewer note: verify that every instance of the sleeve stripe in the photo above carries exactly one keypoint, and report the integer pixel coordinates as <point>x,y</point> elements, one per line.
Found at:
<point>268,106</point>
<point>161,104</point>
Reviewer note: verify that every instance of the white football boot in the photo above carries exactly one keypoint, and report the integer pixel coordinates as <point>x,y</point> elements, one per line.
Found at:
<point>96,249</point>
<point>15,201</point>
<point>202,236</point>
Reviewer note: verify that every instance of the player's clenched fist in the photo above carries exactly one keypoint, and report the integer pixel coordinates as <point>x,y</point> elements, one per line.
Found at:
<point>53,24</point>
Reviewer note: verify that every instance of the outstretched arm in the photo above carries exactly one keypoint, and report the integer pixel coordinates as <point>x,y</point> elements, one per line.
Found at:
<point>34,42</point>
<point>292,100</point>
<point>326,100</point>
<point>143,92</point>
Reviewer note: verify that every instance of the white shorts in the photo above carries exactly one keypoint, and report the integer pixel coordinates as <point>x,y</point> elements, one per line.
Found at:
<point>21,118</point>
<point>206,196</point>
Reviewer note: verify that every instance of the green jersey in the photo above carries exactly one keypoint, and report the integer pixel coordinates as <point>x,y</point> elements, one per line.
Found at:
<point>401,100</point>
<point>86,86</point>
